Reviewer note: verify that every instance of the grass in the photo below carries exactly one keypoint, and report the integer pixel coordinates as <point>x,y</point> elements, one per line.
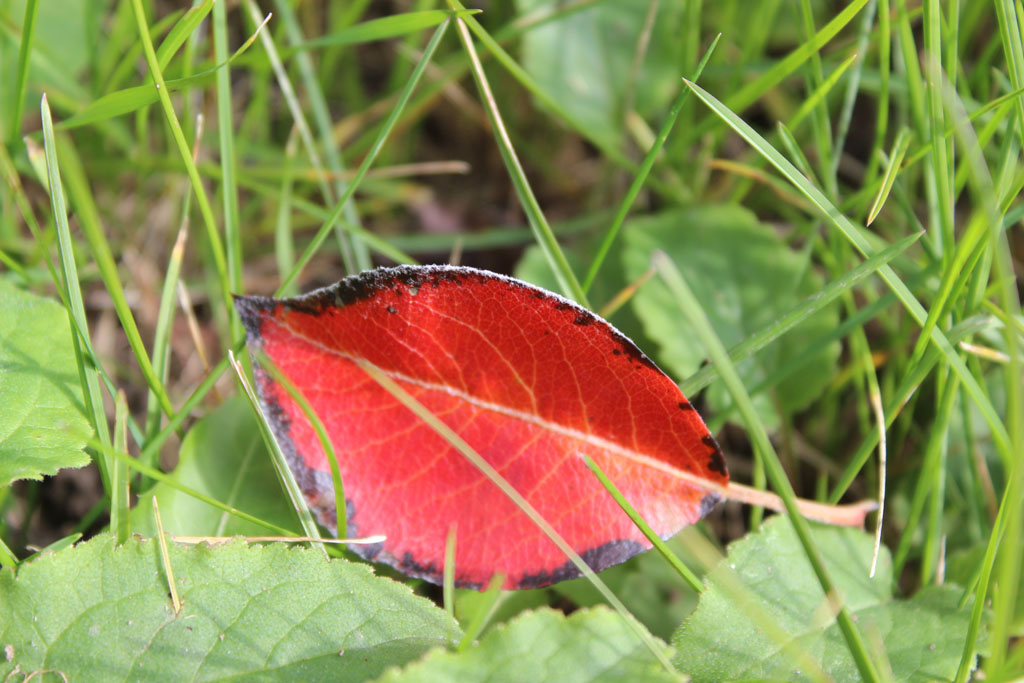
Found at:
<point>880,140</point>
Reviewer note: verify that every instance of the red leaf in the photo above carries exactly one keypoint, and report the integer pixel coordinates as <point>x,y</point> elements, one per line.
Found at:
<point>530,380</point>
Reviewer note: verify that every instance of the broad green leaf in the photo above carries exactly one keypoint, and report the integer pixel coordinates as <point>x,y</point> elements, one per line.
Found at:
<point>102,612</point>
<point>585,61</point>
<point>222,456</point>
<point>746,278</point>
<point>763,615</point>
<point>649,587</point>
<point>42,426</point>
<point>545,645</point>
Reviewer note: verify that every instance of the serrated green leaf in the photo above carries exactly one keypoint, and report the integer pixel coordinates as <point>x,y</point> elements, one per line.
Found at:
<point>742,289</point>
<point>101,612</point>
<point>764,616</point>
<point>224,457</point>
<point>42,426</point>
<point>545,645</point>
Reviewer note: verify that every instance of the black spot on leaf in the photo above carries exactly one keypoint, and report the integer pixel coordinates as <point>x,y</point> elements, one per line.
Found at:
<point>717,460</point>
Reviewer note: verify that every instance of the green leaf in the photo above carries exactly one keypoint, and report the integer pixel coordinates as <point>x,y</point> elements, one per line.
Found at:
<point>742,289</point>
<point>42,426</point>
<point>585,61</point>
<point>224,457</point>
<point>545,645</point>
<point>99,611</point>
<point>763,615</point>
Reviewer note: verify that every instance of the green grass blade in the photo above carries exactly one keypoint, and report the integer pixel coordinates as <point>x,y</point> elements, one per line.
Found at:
<point>296,395</point>
<point>939,169</point>
<point>353,251</point>
<point>819,94</point>
<point>88,216</point>
<point>685,572</point>
<point>127,66</point>
<point>448,578</point>
<point>884,65</point>
<point>376,29</point>
<point>304,132</point>
<point>968,252</point>
<point>131,99</point>
<point>690,307</point>
<point>228,160</point>
<point>151,451</point>
<point>926,485</point>
<point>899,150</point>
<point>1001,103</point>
<point>184,27</point>
<point>1002,553</point>
<point>798,314</point>
<point>28,30</point>
<point>483,614</point>
<point>856,237</point>
<point>368,160</point>
<point>284,472</point>
<point>751,92</point>
<point>645,169</point>
<point>8,559</point>
<point>853,84</point>
<point>216,247</point>
<point>73,295</point>
<point>284,239</point>
<point>164,321</point>
<point>168,480</point>
<point>897,400</point>
<point>542,231</point>
<point>41,238</point>
<point>120,486</point>
<point>797,154</point>
<point>1013,49</point>
<point>165,314</point>
<point>527,81</point>
<point>821,121</point>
